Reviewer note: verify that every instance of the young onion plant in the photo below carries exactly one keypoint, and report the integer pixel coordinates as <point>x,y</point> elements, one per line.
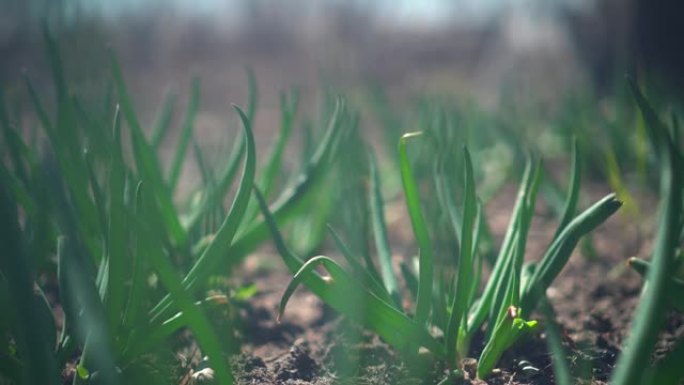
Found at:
<point>665,287</point>
<point>132,269</point>
<point>448,308</point>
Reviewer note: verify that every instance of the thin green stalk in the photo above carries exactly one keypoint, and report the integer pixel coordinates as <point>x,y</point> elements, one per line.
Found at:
<point>185,135</point>
<point>397,329</point>
<point>465,276</point>
<point>482,310</point>
<point>650,313</point>
<point>382,246</point>
<point>425,280</point>
<point>559,252</point>
<point>194,317</point>
<point>559,357</point>
<point>224,237</point>
<point>147,164</point>
<point>164,118</point>
<point>117,258</point>
<point>359,270</point>
<point>573,190</point>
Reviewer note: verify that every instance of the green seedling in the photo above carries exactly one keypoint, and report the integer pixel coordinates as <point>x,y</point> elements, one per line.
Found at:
<point>452,305</point>
<point>509,329</point>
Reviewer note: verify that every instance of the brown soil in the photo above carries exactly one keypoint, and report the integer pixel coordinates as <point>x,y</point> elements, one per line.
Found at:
<point>594,298</point>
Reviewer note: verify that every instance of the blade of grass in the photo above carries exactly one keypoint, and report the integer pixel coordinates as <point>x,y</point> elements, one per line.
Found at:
<point>134,314</point>
<point>164,118</point>
<point>205,170</point>
<point>66,142</point>
<point>573,190</point>
<point>76,268</point>
<point>147,338</point>
<point>147,163</point>
<point>477,255</point>
<point>559,357</point>
<point>294,199</point>
<point>193,316</point>
<point>342,293</point>
<point>465,275</point>
<point>86,313</point>
<point>559,252</point>
<point>273,166</point>
<point>377,314</point>
<point>409,278</point>
<point>221,245</point>
<point>117,239</point>
<point>674,297</point>
<point>225,235</point>
<point>288,108</point>
<point>425,280</point>
<point>382,245</point>
<point>20,192</point>
<point>185,135</point>
<point>13,143</point>
<point>509,329</point>
<point>482,309</point>
<point>508,293</point>
<point>359,270</point>
<point>214,199</point>
<point>614,175</point>
<point>650,311</point>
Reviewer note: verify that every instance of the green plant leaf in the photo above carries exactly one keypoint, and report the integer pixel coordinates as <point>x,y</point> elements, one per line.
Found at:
<point>425,280</point>
<point>185,135</point>
<point>164,118</point>
<point>360,271</point>
<point>346,296</point>
<point>485,306</point>
<point>559,357</point>
<point>559,252</point>
<point>147,164</point>
<point>382,245</point>
<point>192,316</point>
<point>221,245</point>
<point>650,313</point>
<point>573,190</point>
<point>117,230</point>
<point>296,198</point>
<point>507,332</point>
<point>460,304</point>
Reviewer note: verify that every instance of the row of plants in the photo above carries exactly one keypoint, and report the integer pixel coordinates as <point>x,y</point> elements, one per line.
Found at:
<point>450,302</point>
<point>87,206</point>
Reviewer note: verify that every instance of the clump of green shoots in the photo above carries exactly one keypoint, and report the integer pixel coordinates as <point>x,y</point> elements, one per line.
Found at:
<point>132,268</point>
<point>451,302</point>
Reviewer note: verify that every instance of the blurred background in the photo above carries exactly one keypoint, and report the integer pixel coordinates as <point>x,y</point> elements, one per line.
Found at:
<point>537,50</point>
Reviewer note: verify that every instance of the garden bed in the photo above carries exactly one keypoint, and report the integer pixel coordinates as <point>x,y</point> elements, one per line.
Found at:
<point>594,298</point>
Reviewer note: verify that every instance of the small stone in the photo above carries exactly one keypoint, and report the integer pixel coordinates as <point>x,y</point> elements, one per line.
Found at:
<point>203,377</point>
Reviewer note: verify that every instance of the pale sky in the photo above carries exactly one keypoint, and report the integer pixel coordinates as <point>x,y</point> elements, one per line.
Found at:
<point>400,11</point>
